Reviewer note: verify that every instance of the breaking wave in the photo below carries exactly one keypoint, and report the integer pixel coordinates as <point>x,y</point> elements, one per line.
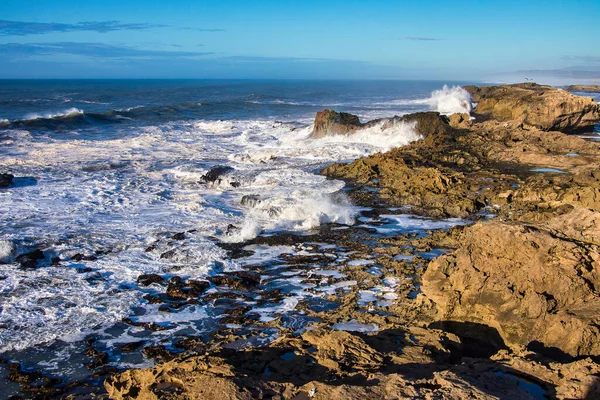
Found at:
<point>450,100</point>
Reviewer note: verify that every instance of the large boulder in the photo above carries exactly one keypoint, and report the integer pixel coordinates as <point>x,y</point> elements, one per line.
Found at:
<point>329,122</point>
<point>538,286</point>
<point>543,107</point>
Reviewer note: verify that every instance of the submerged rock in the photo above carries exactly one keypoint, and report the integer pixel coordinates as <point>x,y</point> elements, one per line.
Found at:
<point>250,200</point>
<point>216,174</point>
<point>31,260</point>
<point>6,180</point>
<point>543,107</point>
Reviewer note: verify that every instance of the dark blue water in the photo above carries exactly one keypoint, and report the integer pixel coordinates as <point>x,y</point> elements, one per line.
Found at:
<point>112,107</point>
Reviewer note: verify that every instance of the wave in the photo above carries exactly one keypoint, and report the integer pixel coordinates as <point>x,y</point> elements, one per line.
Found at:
<point>450,100</point>
<point>49,115</point>
<point>381,136</point>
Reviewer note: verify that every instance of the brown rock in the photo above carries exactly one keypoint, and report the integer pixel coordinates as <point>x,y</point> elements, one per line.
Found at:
<point>584,88</point>
<point>329,122</point>
<point>534,287</point>
<point>543,107</point>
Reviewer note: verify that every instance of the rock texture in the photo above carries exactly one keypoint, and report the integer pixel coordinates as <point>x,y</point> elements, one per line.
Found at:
<point>329,122</point>
<point>537,285</point>
<point>543,107</point>
<point>344,365</point>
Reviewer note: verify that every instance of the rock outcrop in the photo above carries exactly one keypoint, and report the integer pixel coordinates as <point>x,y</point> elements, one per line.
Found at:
<point>583,88</point>
<point>537,285</point>
<point>328,123</point>
<point>543,107</point>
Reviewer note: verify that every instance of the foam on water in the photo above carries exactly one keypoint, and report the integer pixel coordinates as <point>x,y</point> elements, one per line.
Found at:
<point>6,251</point>
<point>123,198</point>
<point>47,115</point>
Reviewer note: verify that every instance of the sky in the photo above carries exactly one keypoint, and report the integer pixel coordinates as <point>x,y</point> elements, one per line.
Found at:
<point>285,39</point>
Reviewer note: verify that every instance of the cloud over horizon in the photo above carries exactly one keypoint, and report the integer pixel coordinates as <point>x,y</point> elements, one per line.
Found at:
<point>21,28</point>
<point>95,50</point>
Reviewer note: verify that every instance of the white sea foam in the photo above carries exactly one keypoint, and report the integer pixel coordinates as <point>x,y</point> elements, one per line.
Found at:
<point>6,250</point>
<point>124,195</point>
<point>66,113</point>
<point>450,100</point>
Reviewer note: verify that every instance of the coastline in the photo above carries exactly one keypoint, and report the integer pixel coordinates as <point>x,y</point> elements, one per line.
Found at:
<point>507,310</point>
<point>505,212</point>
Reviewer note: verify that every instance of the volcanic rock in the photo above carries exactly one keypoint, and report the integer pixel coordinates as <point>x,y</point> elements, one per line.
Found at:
<point>543,107</point>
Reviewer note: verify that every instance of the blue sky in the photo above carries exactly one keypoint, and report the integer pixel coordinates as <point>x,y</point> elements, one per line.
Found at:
<point>296,39</point>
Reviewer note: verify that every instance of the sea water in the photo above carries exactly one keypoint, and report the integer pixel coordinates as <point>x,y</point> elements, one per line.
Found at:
<point>112,171</point>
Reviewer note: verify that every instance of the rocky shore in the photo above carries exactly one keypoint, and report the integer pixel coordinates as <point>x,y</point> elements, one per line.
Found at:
<point>510,308</point>
<point>583,88</point>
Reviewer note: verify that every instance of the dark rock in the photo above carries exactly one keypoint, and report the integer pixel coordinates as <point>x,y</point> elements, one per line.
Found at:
<point>148,279</point>
<point>158,353</point>
<point>223,280</point>
<point>168,254</point>
<point>178,236</point>
<point>250,200</point>
<point>30,260</point>
<point>215,174</point>
<point>16,374</point>
<point>175,288</point>
<point>81,257</point>
<point>249,278</point>
<point>151,326</point>
<point>99,358</point>
<point>196,288</point>
<point>132,346</point>
<point>6,180</point>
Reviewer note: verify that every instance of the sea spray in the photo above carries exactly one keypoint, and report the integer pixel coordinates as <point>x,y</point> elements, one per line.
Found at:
<point>450,100</point>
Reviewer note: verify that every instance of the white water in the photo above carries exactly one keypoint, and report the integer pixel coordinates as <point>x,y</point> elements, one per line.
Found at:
<point>66,113</point>
<point>121,196</point>
<point>450,100</point>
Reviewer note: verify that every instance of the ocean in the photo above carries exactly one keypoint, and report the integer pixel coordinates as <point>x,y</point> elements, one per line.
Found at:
<point>111,179</point>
